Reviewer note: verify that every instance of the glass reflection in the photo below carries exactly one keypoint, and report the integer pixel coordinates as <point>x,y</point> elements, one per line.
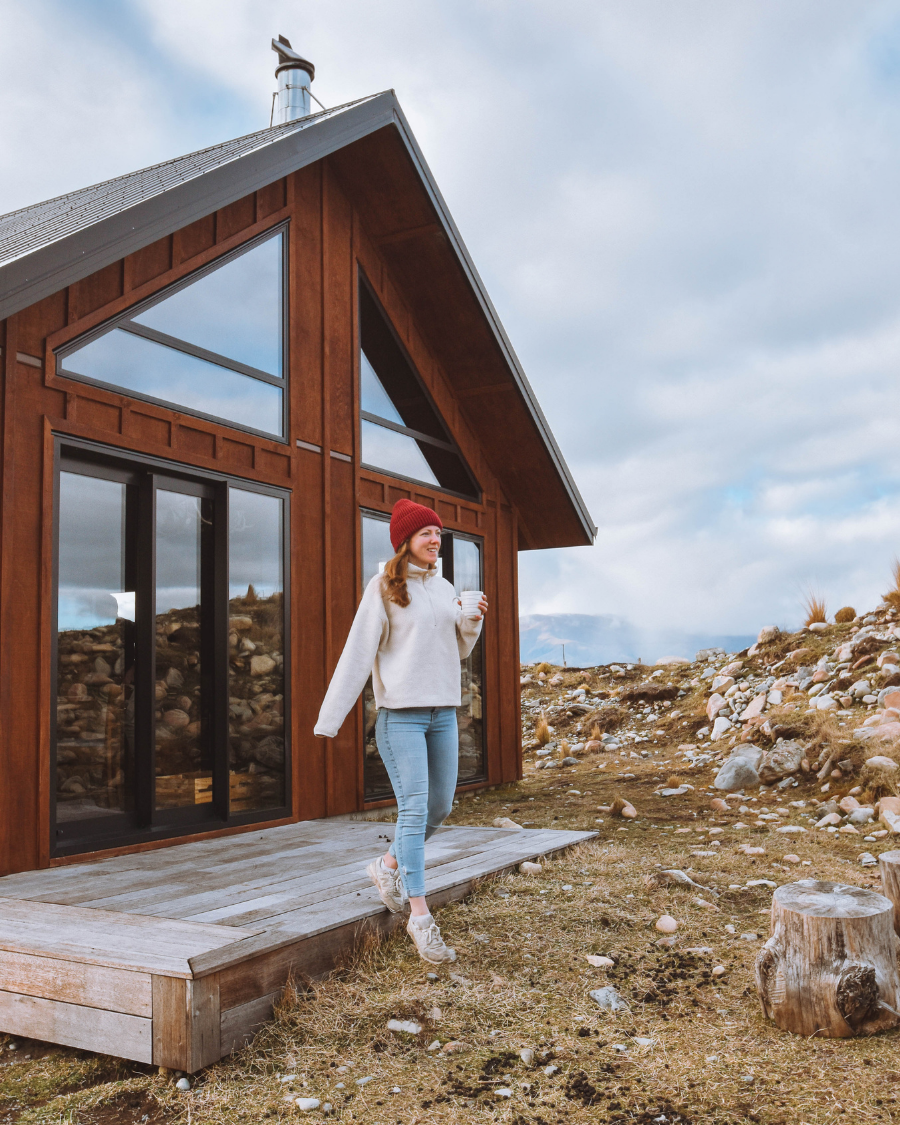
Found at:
<point>95,652</point>
<point>183,761</point>
<point>377,549</point>
<point>373,397</point>
<point>394,453</point>
<point>145,367</point>
<point>256,651</point>
<point>470,715</point>
<point>236,310</point>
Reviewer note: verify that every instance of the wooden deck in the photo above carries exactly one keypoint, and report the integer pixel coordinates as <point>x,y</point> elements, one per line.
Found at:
<point>176,957</point>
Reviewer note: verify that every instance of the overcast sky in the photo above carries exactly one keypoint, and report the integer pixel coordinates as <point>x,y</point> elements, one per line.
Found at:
<point>686,212</point>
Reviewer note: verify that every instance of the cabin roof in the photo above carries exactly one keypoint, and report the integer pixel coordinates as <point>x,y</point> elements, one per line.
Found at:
<point>49,245</point>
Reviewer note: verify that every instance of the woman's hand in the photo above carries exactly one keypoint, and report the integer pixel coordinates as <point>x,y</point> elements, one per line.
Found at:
<point>482,605</point>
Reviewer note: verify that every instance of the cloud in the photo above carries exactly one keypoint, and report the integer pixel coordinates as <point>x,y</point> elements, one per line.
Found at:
<point>685,214</point>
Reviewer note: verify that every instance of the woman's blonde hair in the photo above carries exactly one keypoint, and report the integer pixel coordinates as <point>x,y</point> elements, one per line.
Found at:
<point>393,577</point>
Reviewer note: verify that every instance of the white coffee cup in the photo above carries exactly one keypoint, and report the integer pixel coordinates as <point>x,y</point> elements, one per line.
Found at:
<point>470,600</point>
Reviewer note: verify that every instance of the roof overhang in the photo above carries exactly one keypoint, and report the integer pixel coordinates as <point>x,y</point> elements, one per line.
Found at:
<point>382,169</point>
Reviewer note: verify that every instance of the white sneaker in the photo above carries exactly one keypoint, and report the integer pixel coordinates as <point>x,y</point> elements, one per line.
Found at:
<point>429,943</point>
<point>388,884</point>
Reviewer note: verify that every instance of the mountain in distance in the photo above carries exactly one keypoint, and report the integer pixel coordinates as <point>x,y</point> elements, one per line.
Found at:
<point>603,639</point>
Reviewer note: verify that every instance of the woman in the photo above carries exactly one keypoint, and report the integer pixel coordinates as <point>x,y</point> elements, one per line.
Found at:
<point>410,635</point>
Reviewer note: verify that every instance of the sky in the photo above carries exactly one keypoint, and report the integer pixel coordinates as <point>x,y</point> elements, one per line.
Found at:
<point>685,211</point>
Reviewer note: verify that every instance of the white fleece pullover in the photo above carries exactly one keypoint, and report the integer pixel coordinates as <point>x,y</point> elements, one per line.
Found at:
<point>413,652</point>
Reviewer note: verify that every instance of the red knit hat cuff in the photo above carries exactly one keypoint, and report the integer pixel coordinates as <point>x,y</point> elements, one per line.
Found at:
<point>407,518</point>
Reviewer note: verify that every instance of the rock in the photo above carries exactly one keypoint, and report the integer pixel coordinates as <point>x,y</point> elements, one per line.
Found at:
<point>891,820</point>
<point>569,761</point>
<point>722,683</point>
<point>262,665</point>
<point>454,1047</point>
<point>176,718</point>
<point>790,858</point>
<point>623,808</point>
<point>714,705</point>
<point>185,1084</point>
<point>408,1027</point>
<point>600,962</point>
<point>860,689</point>
<point>787,829</point>
<point>828,819</point>
<point>767,633</point>
<point>826,702</point>
<point>503,1092</point>
<point>718,805</point>
<point>269,752</point>
<point>505,822</point>
<point>666,924</point>
<point>592,746</point>
<point>174,679</point>
<point>718,971</point>
<point>721,727</point>
<point>888,804</point>
<point>527,1056</point>
<point>782,760</point>
<point>755,707</point>
<point>529,868</point>
<point>750,849</point>
<point>365,1081</point>
<point>862,815</point>
<point>434,1045</point>
<point>890,699</point>
<point>550,1069</point>
<point>608,999</point>
<point>868,860</point>
<point>775,697</point>
<point>848,804</point>
<point>817,627</point>
<point>880,762</point>
<point>307,1104</point>
<point>737,773</point>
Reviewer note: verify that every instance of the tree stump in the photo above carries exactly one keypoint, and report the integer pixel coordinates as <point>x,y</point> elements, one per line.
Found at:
<point>889,868</point>
<point>830,966</point>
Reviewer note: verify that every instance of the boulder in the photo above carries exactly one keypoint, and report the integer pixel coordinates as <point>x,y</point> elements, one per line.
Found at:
<point>881,762</point>
<point>755,707</point>
<point>767,633</point>
<point>714,705</point>
<point>738,772</point>
<point>270,752</point>
<point>721,727</point>
<point>782,760</point>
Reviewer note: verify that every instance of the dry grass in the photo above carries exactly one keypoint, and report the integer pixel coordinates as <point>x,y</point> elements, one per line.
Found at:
<point>892,597</point>
<point>814,609</point>
<point>596,732</point>
<point>542,730</point>
<point>845,615</point>
<point>608,719</point>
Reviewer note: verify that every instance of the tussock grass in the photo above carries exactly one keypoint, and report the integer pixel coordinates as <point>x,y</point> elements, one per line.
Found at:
<point>892,597</point>
<point>814,609</point>
<point>542,730</point>
<point>845,615</point>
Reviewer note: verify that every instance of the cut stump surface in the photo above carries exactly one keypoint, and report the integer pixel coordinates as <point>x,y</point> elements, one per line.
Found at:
<point>830,967</point>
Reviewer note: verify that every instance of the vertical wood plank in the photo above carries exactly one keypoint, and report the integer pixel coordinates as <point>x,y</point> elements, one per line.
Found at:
<point>186,1022</point>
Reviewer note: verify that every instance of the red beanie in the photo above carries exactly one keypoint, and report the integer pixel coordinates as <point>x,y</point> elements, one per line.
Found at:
<point>407,518</point>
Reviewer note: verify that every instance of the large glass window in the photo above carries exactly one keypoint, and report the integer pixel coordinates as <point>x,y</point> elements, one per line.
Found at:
<point>401,431</point>
<point>213,344</point>
<point>460,564</point>
<point>170,669</point>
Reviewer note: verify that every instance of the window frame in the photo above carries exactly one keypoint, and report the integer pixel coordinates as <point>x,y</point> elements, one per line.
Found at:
<point>147,822</point>
<point>125,322</point>
<point>450,446</point>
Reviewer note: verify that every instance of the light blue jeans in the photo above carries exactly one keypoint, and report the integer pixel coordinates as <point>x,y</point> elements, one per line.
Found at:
<point>419,747</point>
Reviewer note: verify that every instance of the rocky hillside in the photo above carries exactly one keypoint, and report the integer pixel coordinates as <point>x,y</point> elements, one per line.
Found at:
<point>824,702</point>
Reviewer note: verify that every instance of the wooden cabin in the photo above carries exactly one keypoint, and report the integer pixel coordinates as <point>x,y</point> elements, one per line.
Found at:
<point>219,374</point>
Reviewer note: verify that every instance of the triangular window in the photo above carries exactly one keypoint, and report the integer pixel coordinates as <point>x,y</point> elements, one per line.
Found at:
<point>402,433</point>
<point>213,344</point>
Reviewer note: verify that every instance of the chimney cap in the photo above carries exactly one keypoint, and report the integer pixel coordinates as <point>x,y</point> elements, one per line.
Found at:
<point>288,57</point>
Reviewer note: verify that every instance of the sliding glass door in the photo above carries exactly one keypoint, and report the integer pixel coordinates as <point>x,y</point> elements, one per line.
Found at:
<point>170,676</point>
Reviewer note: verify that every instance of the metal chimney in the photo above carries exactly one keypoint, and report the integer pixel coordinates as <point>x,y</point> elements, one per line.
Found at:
<point>294,76</point>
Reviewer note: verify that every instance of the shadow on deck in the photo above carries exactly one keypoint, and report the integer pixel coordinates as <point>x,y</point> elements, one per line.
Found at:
<point>176,957</point>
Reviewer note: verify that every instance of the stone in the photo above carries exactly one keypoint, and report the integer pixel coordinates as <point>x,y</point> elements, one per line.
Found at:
<point>407,1027</point>
<point>527,1056</point>
<point>666,924</point>
<point>529,868</point>
<point>755,707</point>
<point>826,702</point>
<point>721,727</point>
<point>751,849</point>
<point>714,705</point>
<point>787,829</point>
<point>737,772</point>
<point>790,858</point>
<point>718,971</point>
<point>176,718</point>
<point>848,804</point>
<point>505,822</point>
<point>262,665</point>
<point>185,1084</point>
<point>888,804</point>
<point>599,962</point>
<point>307,1104</point>
<point>775,696</point>
<point>890,699</point>
<point>174,679</point>
<point>860,689</point>
<point>868,860</point>
<point>782,760</point>
<point>817,627</point>
<point>503,1092</point>
<point>879,761</point>
<point>592,746</point>
<point>767,633</point>
<point>453,1047</point>
<point>862,815</point>
<point>621,807</point>
<point>718,805</point>
<point>828,819</point>
<point>608,999</point>
<point>269,752</point>
<point>722,684</point>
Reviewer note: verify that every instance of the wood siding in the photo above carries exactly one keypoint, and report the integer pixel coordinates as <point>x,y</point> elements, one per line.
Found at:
<point>329,242</point>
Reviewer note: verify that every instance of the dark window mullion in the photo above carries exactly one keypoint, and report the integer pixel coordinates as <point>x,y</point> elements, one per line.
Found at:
<point>216,572</point>
<point>416,434</point>
<point>199,353</point>
<point>145,652</point>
